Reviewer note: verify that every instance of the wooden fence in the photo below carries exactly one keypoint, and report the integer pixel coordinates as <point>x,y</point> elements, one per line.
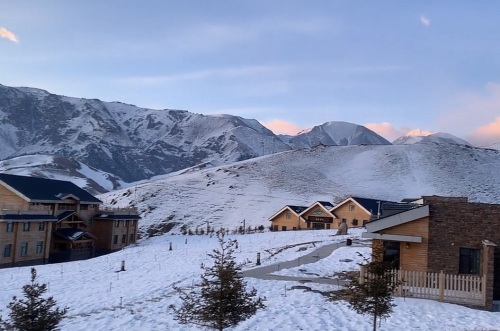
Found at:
<point>462,289</point>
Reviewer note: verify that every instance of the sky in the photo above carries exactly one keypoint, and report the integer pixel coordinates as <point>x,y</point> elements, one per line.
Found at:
<point>392,66</point>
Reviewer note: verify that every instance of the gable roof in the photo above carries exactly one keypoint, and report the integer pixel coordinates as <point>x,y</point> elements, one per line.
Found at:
<point>297,210</point>
<point>374,206</point>
<point>72,234</point>
<point>322,205</point>
<point>44,190</point>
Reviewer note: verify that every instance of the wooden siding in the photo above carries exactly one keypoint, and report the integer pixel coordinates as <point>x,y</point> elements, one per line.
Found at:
<point>415,257</point>
<point>10,200</point>
<point>344,212</point>
<point>19,237</point>
<point>318,211</point>
<point>280,220</point>
<point>106,230</point>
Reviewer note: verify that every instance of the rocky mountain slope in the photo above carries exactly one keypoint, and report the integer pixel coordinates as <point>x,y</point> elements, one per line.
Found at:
<point>335,133</point>
<point>419,136</point>
<point>132,143</point>
<point>255,189</point>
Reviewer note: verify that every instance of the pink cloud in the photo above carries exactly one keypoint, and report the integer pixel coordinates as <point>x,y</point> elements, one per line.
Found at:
<point>487,134</point>
<point>472,110</point>
<point>4,33</point>
<point>282,127</point>
<point>386,130</point>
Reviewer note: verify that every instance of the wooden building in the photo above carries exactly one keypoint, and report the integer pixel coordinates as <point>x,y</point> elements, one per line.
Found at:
<point>443,234</point>
<point>45,220</point>
<point>354,211</point>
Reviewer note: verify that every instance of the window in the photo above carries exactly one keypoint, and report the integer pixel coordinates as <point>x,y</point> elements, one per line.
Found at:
<point>117,223</point>
<point>26,226</point>
<point>132,238</point>
<point>125,223</point>
<point>351,207</point>
<point>24,249</point>
<point>84,207</point>
<point>7,249</point>
<point>283,228</point>
<point>469,261</point>
<point>10,227</point>
<point>288,215</point>
<point>124,238</point>
<point>115,239</point>
<point>39,247</point>
<point>354,222</point>
<point>41,226</point>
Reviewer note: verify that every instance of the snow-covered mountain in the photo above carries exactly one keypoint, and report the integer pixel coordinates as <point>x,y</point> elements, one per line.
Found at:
<point>421,136</point>
<point>255,189</point>
<point>132,143</point>
<point>335,133</point>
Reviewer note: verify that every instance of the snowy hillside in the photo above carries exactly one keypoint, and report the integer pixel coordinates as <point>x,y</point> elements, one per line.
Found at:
<point>61,168</point>
<point>255,189</point>
<point>335,133</point>
<point>99,298</point>
<point>420,136</point>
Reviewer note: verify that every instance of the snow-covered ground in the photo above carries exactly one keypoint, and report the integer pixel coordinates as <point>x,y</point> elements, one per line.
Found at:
<point>100,298</point>
<point>256,189</point>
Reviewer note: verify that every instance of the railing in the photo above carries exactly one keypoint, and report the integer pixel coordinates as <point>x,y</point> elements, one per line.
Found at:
<point>117,210</point>
<point>29,210</point>
<point>462,289</point>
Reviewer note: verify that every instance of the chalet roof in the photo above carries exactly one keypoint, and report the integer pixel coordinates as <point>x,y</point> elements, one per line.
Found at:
<point>72,234</point>
<point>28,217</point>
<point>36,189</point>
<point>65,214</point>
<point>117,217</point>
<point>295,209</point>
<point>371,205</point>
<point>328,205</point>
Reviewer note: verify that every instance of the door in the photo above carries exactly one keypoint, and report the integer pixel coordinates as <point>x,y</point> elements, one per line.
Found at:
<point>392,253</point>
<point>496,275</point>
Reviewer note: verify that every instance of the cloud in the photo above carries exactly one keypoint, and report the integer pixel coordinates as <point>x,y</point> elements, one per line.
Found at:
<point>4,33</point>
<point>473,114</point>
<point>486,135</point>
<point>426,22</point>
<point>386,130</point>
<point>228,72</point>
<point>282,127</point>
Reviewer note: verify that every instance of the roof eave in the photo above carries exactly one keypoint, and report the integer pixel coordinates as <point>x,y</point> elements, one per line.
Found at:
<point>397,219</point>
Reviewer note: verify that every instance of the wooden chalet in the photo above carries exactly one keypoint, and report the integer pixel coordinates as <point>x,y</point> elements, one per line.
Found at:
<point>45,220</point>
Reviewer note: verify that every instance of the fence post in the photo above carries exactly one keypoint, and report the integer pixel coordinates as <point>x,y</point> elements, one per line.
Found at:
<point>441,285</point>
<point>400,282</point>
<point>483,289</point>
<point>362,275</point>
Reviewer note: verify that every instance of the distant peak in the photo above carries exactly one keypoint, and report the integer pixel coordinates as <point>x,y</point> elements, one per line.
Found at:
<point>419,133</point>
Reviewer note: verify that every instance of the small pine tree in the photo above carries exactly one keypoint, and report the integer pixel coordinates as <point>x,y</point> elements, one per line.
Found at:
<point>34,313</point>
<point>221,300</point>
<point>372,292</point>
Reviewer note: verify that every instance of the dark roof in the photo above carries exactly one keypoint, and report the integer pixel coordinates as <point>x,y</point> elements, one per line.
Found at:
<point>386,207</point>
<point>16,217</point>
<point>117,217</point>
<point>326,204</point>
<point>410,199</point>
<point>72,234</point>
<point>65,214</point>
<point>297,209</point>
<point>46,190</point>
